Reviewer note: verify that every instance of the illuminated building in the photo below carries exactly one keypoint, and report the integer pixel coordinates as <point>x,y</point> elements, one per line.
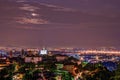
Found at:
<point>34,59</point>
<point>43,51</point>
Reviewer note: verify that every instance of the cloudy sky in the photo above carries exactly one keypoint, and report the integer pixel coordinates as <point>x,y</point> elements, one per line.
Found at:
<point>60,23</point>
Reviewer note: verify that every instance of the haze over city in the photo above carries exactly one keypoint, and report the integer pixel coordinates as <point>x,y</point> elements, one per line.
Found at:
<point>59,23</point>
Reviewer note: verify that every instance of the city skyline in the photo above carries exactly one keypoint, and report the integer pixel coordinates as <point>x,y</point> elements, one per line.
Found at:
<point>57,23</point>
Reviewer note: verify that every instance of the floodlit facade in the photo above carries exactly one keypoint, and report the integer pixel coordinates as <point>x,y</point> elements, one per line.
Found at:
<point>43,51</point>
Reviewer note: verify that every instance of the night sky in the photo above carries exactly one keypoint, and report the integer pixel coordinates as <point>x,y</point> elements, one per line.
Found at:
<point>60,23</point>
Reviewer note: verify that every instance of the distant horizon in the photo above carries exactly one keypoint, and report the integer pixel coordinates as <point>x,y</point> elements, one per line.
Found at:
<point>48,47</point>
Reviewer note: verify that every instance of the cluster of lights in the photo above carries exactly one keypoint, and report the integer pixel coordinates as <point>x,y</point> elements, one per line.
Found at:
<point>99,51</point>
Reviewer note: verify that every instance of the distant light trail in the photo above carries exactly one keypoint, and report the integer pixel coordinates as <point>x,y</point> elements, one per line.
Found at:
<point>99,51</point>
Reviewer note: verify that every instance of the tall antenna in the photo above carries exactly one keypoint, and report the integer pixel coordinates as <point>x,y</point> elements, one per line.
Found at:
<point>43,44</point>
